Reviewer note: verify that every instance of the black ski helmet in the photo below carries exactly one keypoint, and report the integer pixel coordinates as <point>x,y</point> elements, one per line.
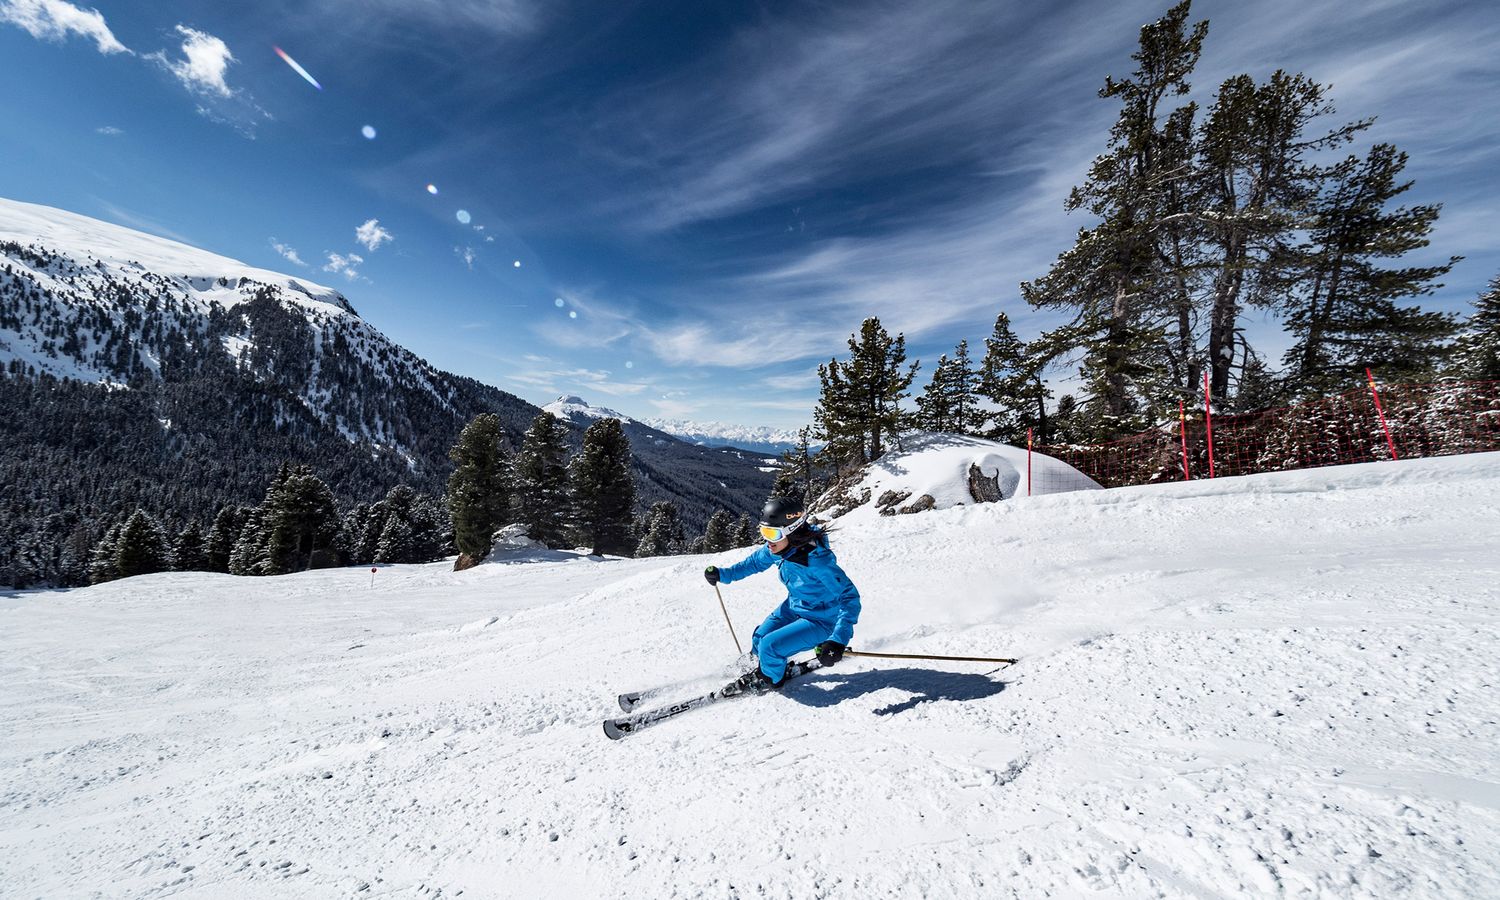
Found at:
<point>781,512</point>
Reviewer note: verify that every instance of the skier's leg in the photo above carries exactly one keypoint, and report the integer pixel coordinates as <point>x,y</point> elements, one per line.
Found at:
<point>780,616</point>
<point>776,646</point>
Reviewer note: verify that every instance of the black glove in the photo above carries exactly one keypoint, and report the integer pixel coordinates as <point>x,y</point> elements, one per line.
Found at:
<point>711,574</point>
<point>830,652</point>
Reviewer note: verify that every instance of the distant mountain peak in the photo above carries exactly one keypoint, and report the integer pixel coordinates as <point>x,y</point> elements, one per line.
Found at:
<point>571,406</point>
<point>721,434</point>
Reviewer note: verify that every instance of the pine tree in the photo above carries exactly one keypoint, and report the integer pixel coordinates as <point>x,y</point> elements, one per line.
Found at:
<point>661,531</point>
<point>142,547</point>
<point>602,490</point>
<point>301,524</point>
<point>395,544</point>
<point>187,551</point>
<point>73,564</point>
<point>541,481</point>
<point>949,401</point>
<point>746,535</point>
<point>794,470</point>
<point>222,537</point>
<point>1345,317</point>
<point>249,554</point>
<point>478,494</point>
<point>860,405</point>
<point>720,535</point>
<point>1011,379</point>
<point>104,559</point>
<point>1477,350</point>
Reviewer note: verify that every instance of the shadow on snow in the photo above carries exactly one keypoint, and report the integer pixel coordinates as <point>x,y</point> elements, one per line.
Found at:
<point>924,685</point>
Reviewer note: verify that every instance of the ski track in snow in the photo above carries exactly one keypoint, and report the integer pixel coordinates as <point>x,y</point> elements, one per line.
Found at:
<point>1282,685</point>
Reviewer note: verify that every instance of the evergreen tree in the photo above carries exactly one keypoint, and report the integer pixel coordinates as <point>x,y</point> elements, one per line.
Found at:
<point>395,544</point>
<point>478,497</point>
<point>794,470</point>
<point>104,559</point>
<point>541,481</point>
<point>249,556</point>
<point>1010,378</point>
<point>410,528</point>
<point>301,524</point>
<point>1128,274</point>
<point>747,534</point>
<point>73,564</point>
<point>860,403</point>
<point>602,490</point>
<point>661,532</point>
<point>142,547</point>
<point>721,533</point>
<point>365,536</point>
<point>187,551</point>
<point>1477,350</point>
<point>222,537</point>
<point>1345,316</point>
<point>949,402</point>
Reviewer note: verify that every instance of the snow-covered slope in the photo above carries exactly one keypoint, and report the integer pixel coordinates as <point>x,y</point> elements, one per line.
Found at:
<point>935,470</point>
<point>1281,685</point>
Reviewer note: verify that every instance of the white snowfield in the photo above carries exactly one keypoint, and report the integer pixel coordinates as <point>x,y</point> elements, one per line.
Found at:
<point>1281,685</point>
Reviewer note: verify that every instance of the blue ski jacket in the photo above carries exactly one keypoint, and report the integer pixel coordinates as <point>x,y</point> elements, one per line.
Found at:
<point>817,589</point>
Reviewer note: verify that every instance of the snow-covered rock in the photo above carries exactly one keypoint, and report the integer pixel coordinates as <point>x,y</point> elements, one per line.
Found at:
<point>934,470</point>
<point>577,410</point>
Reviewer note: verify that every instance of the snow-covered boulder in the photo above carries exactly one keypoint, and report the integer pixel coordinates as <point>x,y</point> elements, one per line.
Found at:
<point>935,470</point>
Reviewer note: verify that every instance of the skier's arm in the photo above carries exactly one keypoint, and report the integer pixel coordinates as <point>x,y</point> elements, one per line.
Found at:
<point>845,594</point>
<point>759,561</point>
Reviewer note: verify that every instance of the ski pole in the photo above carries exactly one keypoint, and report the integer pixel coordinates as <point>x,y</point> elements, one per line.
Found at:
<point>738,649</point>
<point>921,656</point>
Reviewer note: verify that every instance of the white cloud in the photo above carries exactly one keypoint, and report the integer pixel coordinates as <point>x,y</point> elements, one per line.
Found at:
<point>54,20</point>
<point>372,235</point>
<point>205,60</point>
<point>347,266</point>
<point>466,254</point>
<point>109,130</point>
<point>289,253</point>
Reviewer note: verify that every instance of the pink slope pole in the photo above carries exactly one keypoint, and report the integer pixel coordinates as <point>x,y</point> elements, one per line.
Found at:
<point>1182,419</point>
<point>1028,462</point>
<point>1208,423</point>
<point>1381,413</point>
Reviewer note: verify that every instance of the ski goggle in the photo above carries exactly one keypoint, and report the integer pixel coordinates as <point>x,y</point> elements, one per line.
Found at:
<point>774,534</point>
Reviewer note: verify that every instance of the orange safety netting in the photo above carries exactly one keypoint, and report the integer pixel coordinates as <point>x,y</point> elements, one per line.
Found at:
<point>1437,419</point>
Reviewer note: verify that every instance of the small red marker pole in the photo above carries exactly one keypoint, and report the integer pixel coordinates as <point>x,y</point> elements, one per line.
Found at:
<point>1381,413</point>
<point>1208,423</point>
<point>1028,462</point>
<point>1182,418</point>
<point>372,578</point>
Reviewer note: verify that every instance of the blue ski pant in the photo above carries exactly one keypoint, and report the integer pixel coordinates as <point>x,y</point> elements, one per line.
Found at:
<point>776,639</point>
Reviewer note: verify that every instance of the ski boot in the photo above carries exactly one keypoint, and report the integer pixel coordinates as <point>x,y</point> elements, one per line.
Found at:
<point>756,682</point>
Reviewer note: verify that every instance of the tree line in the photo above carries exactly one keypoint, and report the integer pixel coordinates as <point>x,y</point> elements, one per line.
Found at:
<point>587,500</point>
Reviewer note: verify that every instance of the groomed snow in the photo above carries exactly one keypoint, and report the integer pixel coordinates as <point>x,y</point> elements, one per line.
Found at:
<point>1275,685</point>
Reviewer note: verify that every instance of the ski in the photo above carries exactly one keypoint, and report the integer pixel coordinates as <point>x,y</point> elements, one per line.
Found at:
<point>632,700</point>
<point>615,729</point>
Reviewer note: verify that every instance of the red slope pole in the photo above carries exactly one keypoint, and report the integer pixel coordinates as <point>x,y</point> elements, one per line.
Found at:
<point>1381,413</point>
<point>1028,462</point>
<point>1208,424</point>
<point>1182,418</point>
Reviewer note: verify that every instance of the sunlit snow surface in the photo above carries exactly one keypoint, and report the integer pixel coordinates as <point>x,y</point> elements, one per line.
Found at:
<point>1282,684</point>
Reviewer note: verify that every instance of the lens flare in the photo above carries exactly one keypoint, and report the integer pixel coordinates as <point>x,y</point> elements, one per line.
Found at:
<point>369,132</point>
<point>296,68</point>
<point>517,264</point>
<point>432,189</point>
<point>463,216</point>
<point>558,303</point>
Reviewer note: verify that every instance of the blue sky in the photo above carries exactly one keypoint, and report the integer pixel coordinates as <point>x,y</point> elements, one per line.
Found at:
<point>705,199</point>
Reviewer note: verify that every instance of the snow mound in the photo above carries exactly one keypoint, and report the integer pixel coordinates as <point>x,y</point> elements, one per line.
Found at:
<point>936,470</point>
<point>569,407</point>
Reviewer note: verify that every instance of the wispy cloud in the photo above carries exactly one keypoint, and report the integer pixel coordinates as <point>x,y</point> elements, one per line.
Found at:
<point>372,235</point>
<point>289,253</point>
<point>345,265</point>
<point>466,254</point>
<point>109,131</point>
<point>54,20</point>
<point>204,63</point>
<point>546,376</point>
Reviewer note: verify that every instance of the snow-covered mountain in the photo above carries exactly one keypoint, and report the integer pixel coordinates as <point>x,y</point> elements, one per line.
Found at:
<point>771,441</point>
<point>1275,685</point>
<point>577,410</point>
<point>184,378</point>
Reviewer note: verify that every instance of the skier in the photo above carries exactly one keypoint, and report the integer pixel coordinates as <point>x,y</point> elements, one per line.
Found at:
<point>822,604</point>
